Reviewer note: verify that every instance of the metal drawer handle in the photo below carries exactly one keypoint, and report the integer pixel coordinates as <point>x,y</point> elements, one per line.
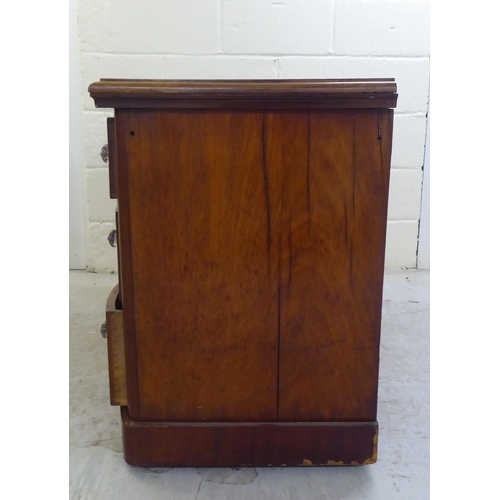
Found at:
<point>112,238</point>
<point>104,153</point>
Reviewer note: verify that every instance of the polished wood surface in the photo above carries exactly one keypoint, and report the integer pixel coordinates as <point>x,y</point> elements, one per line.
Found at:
<point>251,229</point>
<point>203,263</point>
<point>253,94</point>
<point>116,351</point>
<point>189,444</point>
<point>335,177</point>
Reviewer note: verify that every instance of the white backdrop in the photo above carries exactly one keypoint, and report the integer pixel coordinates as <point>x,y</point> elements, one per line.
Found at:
<point>77,214</point>
<point>203,39</point>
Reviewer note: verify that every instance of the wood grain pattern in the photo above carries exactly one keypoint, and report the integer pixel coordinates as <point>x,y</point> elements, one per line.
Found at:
<point>188,444</point>
<point>116,351</point>
<point>203,265</point>
<point>320,221</point>
<point>251,234</point>
<point>335,185</point>
<point>255,94</point>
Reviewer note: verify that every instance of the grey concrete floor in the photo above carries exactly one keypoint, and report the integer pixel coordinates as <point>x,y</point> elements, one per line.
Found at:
<point>98,471</point>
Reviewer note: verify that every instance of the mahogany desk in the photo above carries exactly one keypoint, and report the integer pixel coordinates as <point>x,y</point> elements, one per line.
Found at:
<point>251,219</point>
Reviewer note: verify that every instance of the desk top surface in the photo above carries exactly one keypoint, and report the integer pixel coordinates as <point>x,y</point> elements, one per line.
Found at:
<point>257,94</point>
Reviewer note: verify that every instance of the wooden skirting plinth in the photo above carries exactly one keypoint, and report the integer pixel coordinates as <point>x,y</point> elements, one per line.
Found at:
<point>240,444</point>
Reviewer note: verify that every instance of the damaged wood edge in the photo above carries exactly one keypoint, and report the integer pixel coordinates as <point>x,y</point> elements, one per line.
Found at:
<point>374,457</point>
<point>368,461</point>
<point>244,444</point>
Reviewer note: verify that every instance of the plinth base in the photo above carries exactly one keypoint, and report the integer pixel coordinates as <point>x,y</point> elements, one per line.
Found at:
<point>244,444</point>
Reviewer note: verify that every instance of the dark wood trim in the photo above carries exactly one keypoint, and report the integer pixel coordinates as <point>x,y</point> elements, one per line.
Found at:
<point>107,101</point>
<point>118,255</point>
<point>245,94</point>
<point>113,180</point>
<point>227,444</point>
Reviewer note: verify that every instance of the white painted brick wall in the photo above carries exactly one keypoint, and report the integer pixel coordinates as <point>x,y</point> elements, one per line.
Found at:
<point>100,207</point>
<point>101,255</point>
<point>164,26</point>
<point>401,243</point>
<point>92,25</point>
<point>409,140</point>
<point>277,27</point>
<point>380,28</point>
<point>405,194</point>
<point>220,67</point>
<point>268,39</point>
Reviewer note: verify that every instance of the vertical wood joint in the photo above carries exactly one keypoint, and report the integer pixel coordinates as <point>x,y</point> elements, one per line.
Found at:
<point>309,173</point>
<point>354,163</point>
<point>266,188</point>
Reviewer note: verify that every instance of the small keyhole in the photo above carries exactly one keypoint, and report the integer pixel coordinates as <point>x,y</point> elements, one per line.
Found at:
<point>132,132</point>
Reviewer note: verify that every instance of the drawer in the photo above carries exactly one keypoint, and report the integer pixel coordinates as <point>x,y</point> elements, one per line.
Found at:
<point>117,243</point>
<point>113,174</point>
<point>116,350</point>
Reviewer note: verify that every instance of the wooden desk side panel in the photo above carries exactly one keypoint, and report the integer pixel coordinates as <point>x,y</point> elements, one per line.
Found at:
<point>202,265</point>
<point>335,185</point>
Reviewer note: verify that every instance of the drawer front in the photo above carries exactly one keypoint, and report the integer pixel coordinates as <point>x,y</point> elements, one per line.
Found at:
<point>117,222</point>
<point>116,351</point>
<point>113,173</point>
